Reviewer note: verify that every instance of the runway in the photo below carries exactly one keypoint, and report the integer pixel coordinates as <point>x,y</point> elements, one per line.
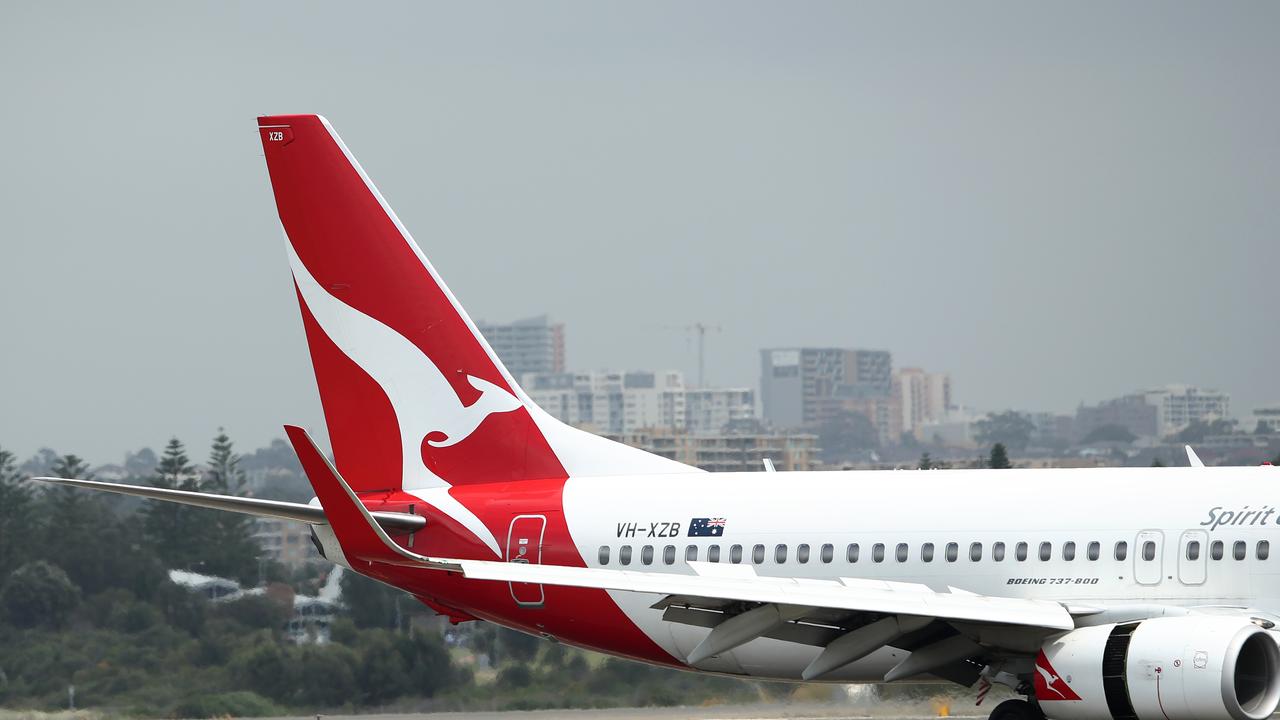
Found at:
<point>724,712</point>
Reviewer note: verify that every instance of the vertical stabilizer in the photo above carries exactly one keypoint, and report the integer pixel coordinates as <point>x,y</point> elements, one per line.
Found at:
<point>412,394</point>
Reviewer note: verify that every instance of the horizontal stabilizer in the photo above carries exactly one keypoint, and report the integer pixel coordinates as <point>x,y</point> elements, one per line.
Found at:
<point>357,529</point>
<point>391,521</point>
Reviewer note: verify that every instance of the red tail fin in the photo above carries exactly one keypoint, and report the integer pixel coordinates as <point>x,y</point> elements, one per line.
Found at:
<point>412,395</point>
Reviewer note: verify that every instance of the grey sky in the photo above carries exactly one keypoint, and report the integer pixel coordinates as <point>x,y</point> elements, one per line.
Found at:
<point>1053,203</point>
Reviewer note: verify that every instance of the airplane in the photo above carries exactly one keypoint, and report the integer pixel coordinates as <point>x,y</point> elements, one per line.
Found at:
<point>1149,594</point>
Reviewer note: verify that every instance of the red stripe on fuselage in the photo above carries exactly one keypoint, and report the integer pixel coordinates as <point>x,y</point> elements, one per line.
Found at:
<point>579,616</point>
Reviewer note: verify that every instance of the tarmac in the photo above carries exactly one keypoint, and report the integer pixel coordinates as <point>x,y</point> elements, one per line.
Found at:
<point>719,712</point>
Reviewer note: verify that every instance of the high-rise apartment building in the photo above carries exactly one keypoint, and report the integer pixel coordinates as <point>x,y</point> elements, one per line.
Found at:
<point>923,397</point>
<point>801,386</point>
<point>532,345</point>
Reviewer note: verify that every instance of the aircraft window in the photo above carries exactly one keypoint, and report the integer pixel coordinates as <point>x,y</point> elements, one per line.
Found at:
<point>646,554</point>
<point>902,552</point>
<point>1020,552</point>
<point>691,553</point>
<point>851,553</point>
<point>735,554</point>
<point>828,552</point>
<point>1046,550</point>
<point>953,551</point>
<point>1149,550</point>
<point>997,552</point>
<point>926,552</point>
<point>713,553</point>
<point>1193,550</point>
<point>1238,550</point>
<point>1264,549</point>
<point>975,552</point>
<point>1095,550</point>
<point>877,552</point>
<point>802,553</point>
<point>604,554</point>
<point>624,554</point>
<point>1069,550</point>
<point>1215,550</point>
<point>669,555</point>
<point>780,554</point>
<point>757,554</point>
<point>1122,550</point>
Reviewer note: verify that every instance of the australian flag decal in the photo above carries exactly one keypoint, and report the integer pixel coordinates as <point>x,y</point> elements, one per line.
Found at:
<point>706,527</point>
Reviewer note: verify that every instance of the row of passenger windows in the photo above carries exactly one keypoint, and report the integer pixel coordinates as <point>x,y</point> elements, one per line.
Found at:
<point>902,552</point>
<point>1239,550</point>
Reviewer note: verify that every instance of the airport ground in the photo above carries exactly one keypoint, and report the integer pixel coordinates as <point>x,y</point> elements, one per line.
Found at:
<point>788,711</point>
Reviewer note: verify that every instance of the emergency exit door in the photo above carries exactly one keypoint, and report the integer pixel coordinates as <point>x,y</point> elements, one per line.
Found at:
<point>524,545</point>
<point>1193,554</point>
<point>1148,557</point>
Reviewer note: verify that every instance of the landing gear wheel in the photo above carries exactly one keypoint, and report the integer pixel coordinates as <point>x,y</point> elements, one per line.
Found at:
<point>1016,710</point>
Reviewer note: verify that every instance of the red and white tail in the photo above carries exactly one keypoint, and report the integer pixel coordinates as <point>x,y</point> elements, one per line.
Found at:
<point>413,395</point>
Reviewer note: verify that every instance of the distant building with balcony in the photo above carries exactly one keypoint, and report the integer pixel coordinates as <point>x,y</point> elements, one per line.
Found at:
<point>285,541</point>
<point>1267,419</point>
<point>1131,412</point>
<point>710,410</point>
<point>1155,413</point>
<point>624,402</point>
<point>1052,430</point>
<point>532,345</point>
<point>1177,406</point>
<point>729,452</point>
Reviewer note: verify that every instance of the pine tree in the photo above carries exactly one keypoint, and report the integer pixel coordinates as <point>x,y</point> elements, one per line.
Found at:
<point>224,475</point>
<point>78,532</point>
<point>73,521</point>
<point>166,524</point>
<point>926,462</point>
<point>999,459</point>
<point>229,547</point>
<point>16,517</point>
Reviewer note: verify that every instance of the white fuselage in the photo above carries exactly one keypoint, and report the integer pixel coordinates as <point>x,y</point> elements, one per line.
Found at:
<point>879,525</point>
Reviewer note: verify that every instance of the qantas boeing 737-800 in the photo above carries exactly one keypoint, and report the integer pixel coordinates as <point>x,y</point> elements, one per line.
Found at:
<point>1100,593</point>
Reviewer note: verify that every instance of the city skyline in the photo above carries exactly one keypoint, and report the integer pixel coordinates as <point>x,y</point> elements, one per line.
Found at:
<point>967,186</point>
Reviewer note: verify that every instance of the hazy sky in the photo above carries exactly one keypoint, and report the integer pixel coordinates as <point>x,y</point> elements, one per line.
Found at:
<point>1055,204</point>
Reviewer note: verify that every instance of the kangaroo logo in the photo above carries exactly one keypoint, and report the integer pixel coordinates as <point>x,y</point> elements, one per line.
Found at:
<point>1049,685</point>
<point>427,407</point>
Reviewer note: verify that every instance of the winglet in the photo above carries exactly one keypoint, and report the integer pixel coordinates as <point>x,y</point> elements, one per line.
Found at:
<point>1193,459</point>
<point>358,533</point>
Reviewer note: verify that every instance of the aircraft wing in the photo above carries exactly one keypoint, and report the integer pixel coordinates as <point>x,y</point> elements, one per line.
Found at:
<point>311,514</point>
<point>716,584</point>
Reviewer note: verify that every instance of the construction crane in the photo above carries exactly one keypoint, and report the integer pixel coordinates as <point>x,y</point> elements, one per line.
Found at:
<point>700,329</point>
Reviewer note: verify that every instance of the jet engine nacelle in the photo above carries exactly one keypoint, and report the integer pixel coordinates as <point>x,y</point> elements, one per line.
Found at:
<point>1194,667</point>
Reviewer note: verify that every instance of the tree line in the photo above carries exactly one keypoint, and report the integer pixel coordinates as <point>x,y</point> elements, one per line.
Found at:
<point>86,606</point>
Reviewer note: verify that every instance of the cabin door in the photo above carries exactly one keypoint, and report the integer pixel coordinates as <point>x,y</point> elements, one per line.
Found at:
<point>524,545</point>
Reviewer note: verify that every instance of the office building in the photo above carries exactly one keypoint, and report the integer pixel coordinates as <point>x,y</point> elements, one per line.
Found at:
<point>800,386</point>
